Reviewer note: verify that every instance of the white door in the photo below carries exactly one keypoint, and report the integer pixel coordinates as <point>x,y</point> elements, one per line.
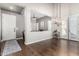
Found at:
<point>73,33</point>
<point>8,27</point>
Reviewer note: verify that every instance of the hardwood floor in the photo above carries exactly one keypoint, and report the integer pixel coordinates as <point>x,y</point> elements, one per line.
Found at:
<point>0,48</point>
<point>51,47</point>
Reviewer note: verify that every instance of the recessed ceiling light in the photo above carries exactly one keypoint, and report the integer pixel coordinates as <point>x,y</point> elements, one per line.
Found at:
<point>11,7</point>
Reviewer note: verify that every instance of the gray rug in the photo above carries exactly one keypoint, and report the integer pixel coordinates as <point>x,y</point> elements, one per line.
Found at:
<point>11,46</point>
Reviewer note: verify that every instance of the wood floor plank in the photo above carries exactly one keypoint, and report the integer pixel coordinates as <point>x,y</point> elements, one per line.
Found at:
<point>51,47</point>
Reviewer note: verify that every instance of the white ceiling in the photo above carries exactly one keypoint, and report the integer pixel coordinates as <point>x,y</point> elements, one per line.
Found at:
<point>37,14</point>
<point>11,7</point>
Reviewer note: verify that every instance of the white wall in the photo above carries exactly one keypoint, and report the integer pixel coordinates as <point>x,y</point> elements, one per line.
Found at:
<point>74,8</point>
<point>57,11</point>
<point>57,18</point>
<point>31,37</point>
<point>20,24</point>
<point>0,25</point>
<point>65,12</point>
<point>61,14</point>
<point>38,36</point>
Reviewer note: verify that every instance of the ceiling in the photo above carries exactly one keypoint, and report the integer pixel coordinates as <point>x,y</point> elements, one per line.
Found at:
<point>36,14</point>
<point>11,7</point>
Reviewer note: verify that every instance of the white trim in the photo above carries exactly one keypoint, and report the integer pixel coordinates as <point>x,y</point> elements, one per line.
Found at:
<point>27,43</point>
<point>42,40</point>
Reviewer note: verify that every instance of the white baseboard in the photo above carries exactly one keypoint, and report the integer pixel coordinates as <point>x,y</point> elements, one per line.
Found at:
<point>36,41</point>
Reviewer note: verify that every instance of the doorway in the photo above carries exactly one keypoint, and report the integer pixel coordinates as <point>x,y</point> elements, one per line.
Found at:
<point>8,26</point>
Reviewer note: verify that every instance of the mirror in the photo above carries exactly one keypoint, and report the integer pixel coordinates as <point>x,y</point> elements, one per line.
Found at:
<point>39,22</point>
